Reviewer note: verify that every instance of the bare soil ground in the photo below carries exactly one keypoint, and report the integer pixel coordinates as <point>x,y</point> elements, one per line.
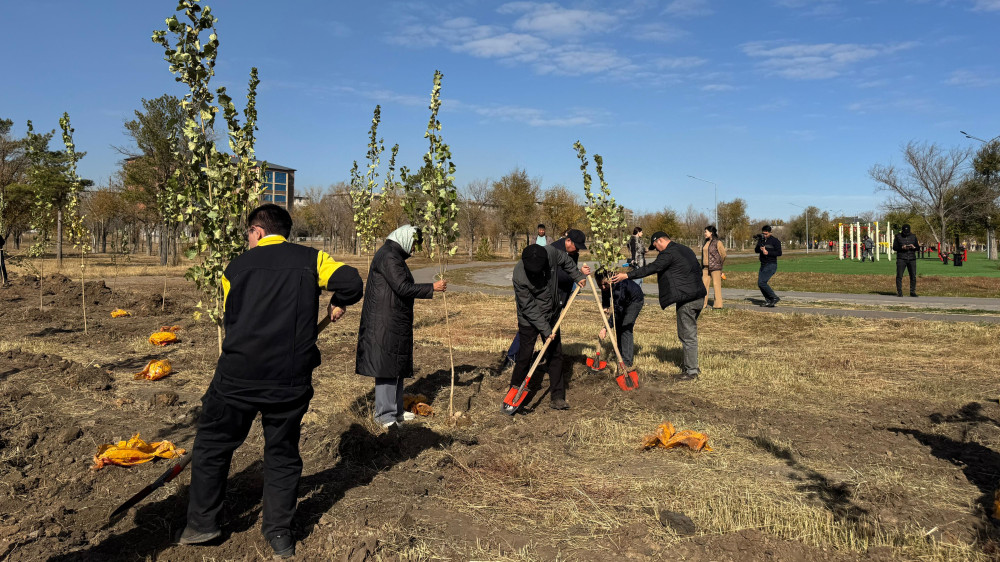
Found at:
<point>835,439</point>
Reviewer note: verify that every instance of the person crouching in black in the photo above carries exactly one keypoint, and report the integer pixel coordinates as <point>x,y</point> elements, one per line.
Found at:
<point>536,293</point>
<point>628,302</point>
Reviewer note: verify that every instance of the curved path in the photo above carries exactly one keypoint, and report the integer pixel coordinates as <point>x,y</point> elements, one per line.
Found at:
<point>495,278</point>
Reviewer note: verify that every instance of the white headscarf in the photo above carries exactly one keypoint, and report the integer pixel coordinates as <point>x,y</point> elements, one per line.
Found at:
<point>404,236</point>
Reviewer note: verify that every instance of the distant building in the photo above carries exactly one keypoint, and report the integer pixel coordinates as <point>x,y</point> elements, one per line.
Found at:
<point>279,186</point>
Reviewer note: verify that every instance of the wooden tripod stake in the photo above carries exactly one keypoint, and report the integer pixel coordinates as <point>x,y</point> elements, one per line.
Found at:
<point>627,380</point>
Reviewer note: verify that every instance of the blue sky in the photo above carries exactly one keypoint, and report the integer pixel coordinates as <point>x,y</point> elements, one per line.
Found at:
<point>780,102</point>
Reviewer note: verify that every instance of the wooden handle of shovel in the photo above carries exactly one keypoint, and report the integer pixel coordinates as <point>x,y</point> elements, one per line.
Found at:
<point>600,310</point>
<point>545,346</point>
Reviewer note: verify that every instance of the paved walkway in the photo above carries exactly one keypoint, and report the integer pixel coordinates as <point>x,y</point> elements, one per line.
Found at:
<point>495,279</point>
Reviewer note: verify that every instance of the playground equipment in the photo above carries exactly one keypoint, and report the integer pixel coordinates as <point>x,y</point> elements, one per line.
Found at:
<point>855,234</point>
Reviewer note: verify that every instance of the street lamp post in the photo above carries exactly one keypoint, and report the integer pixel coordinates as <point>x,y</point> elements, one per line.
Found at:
<point>716,197</point>
<point>807,224</point>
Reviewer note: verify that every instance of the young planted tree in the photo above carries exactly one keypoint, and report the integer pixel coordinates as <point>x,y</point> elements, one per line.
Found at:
<point>215,190</point>
<point>434,208</point>
<point>607,222</point>
<point>78,234</point>
<point>368,213</point>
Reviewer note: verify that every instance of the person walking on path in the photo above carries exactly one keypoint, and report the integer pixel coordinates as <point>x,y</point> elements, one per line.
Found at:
<point>713,256</point>
<point>571,244</point>
<point>905,245</point>
<point>769,249</point>
<point>385,335</point>
<point>678,276</point>
<point>3,263</point>
<point>867,246</point>
<point>271,295</point>
<point>636,249</point>
<point>536,292</point>
<point>628,299</point>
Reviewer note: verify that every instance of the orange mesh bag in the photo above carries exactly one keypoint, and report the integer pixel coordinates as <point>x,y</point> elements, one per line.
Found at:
<point>163,338</point>
<point>666,437</point>
<point>118,313</point>
<point>155,370</point>
<point>417,404</point>
<point>134,451</point>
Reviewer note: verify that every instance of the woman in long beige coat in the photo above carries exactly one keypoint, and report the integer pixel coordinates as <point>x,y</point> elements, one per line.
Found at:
<point>713,256</point>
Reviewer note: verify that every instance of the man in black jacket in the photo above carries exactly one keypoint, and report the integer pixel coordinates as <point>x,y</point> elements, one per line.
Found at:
<point>571,244</point>
<point>271,294</point>
<point>769,249</point>
<point>905,245</point>
<point>678,276</point>
<point>536,291</point>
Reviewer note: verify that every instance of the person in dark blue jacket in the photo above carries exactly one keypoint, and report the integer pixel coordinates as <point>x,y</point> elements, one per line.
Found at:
<point>628,302</point>
<point>769,249</point>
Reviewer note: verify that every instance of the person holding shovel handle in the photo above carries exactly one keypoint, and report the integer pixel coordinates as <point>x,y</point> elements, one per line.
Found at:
<point>678,277</point>
<point>271,299</point>
<point>628,302</point>
<point>536,290</point>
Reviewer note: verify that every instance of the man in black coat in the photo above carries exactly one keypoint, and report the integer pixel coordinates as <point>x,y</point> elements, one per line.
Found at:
<point>385,336</point>
<point>571,244</point>
<point>271,296</point>
<point>905,245</point>
<point>536,292</point>
<point>678,276</point>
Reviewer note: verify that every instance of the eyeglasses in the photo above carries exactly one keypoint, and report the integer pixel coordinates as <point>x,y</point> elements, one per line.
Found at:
<point>246,233</point>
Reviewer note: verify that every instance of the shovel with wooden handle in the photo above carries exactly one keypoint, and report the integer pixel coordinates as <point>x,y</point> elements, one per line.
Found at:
<point>595,363</point>
<point>515,396</point>
<point>627,380</point>
<point>173,471</point>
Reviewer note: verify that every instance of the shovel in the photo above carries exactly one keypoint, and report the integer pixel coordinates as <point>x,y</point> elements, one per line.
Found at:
<point>173,471</point>
<point>627,380</point>
<point>515,396</point>
<point>595,363</point>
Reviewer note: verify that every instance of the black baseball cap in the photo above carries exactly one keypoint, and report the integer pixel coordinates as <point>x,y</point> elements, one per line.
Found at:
<point>656,236</point>
<point>535,258</point>
<point>578,238</point>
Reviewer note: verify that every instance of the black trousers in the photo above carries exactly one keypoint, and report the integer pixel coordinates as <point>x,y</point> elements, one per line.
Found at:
<point>3,268</point>
<point>527,335</point>
<point>909,265</point>
<point>223,426</point>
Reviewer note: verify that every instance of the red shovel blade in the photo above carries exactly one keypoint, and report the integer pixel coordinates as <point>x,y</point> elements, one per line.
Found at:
<point>596,364</point>
<point>628,381</point>
<point>513,399</point>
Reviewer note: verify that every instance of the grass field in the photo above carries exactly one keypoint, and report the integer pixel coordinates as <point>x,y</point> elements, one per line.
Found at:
<point>826,262</point>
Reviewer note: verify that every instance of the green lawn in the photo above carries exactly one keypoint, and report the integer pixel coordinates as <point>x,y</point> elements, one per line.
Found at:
<point>827,262</point>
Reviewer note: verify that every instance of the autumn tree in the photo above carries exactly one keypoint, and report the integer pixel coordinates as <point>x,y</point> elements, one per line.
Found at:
<point>473,211</point>
<point>928,184</point>
<point>13,166</point>
<point>561,210</point>
<point>734,223</point>
<point>514,197</point>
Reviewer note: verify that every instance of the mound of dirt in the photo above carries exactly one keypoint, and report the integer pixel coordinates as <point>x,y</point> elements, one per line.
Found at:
<point>73,374</point>
<point>59,290</point>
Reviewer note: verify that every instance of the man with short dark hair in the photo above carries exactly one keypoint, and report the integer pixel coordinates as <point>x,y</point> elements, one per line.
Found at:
<point>536,289</point>
<point>769,249</point>
<point>678,276</point>
<point>271,295</point>
<point>905,245</point>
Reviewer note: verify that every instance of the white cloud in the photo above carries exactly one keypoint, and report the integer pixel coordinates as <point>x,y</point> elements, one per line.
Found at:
<point>657,32</point>
<point>973,78</point>
<point>986,5</point>
<point>813,7</point>
<point>817,61</point>
<point>674,63</point>
<point>503,45</point>
<point>552,20</point>
<point>718,88</point>
<point>534,117</point>
<point>688,8</point>
<point>908,105</point>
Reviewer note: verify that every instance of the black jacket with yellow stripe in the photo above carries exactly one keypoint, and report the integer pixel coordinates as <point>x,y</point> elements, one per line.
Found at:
<point>272,305</point>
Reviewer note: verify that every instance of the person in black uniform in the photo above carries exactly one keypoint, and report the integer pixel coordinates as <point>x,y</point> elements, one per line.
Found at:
<point>905,245</point>
<point>769,249</point>
<point>271,294</point>
<point>628,298</point>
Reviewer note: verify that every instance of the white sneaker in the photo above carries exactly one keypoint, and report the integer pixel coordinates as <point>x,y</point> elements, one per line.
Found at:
<point>390,425</point>
<point>407,416</point>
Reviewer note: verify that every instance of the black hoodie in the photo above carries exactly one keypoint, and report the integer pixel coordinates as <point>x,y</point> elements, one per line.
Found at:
<point>902,239</point>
